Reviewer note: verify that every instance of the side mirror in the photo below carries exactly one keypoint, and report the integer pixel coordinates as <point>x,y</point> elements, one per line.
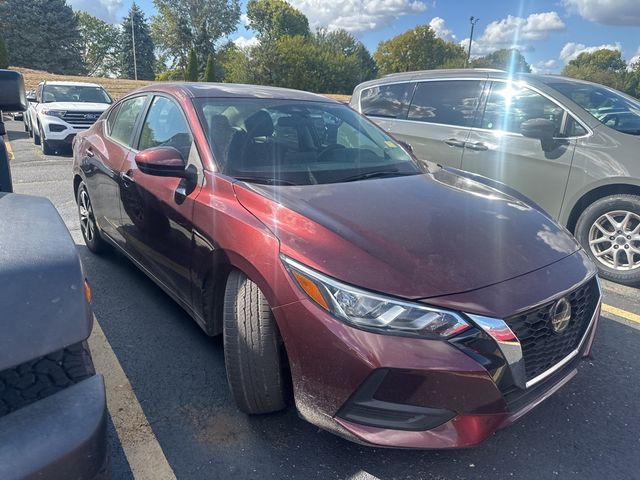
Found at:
<point>162,162</point>
<point>12,93</point>
<point>31,97</point>
<point>542,129</point>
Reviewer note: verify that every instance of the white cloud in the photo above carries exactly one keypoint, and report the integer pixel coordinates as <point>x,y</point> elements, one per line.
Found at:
<point>545,66</point>
<point>634,61</point>
<point>244,42</point>
<point>356,15</point>
<point>516,32</point>
<point>571,50</point>
<point>437,24</point>
<point>608,12</point>
<point>244,19</point>
<point>106,10</point>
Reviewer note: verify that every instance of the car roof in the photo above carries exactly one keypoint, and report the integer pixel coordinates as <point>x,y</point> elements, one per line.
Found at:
<point>71,84</point>
<point>229,90</point>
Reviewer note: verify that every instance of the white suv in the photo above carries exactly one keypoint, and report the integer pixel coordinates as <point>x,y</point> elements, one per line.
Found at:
<point>63,109</point>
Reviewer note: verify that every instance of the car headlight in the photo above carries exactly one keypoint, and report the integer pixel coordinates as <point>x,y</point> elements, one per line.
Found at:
<point>54,113</point>
<point>373,312</point>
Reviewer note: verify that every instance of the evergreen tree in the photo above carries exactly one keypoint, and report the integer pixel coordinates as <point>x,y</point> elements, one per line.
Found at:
<point>42,34</point>
<point>209,73</point>
<point>192,67</point>
<point>4,56</point>
<point>135,24</point>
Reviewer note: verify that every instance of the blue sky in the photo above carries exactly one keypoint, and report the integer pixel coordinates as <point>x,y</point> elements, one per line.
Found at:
<point>548,32</point>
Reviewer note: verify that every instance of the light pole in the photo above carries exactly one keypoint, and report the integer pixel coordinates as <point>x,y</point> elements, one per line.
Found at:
<point>473,21</point>
<point>133,38</point>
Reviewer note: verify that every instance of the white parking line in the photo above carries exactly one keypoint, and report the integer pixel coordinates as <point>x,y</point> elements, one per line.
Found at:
<point>139,443</point>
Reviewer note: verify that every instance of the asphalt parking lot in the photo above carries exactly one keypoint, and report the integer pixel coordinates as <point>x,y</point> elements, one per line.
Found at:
<point>172,415</point>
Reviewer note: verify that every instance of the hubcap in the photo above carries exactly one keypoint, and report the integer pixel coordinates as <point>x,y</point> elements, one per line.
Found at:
<point>87,222</point>
<point>614,240</point>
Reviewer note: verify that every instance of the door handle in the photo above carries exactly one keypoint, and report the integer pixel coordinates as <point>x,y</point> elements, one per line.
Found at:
<point>477,146</point>
<point>454,142</point>
<point>126,178</point>
<point>90,153</point>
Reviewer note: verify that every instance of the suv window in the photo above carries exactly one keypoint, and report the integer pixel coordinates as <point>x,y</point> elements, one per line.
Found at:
<point>386,101</point>
<point>165,126</point>
<point>508,105</point>
<point>451,102</point>
<point>126,118</point>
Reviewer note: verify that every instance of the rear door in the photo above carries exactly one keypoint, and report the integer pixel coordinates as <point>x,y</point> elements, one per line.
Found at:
<point>157,212</point>
<point>495,148</point>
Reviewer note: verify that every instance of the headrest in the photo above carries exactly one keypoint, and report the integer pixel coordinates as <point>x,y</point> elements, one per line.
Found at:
<point>218,122</point>
<point>259,124</point>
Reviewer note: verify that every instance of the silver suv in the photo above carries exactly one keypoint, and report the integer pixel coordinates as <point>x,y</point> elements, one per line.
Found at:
<point>570,146</point>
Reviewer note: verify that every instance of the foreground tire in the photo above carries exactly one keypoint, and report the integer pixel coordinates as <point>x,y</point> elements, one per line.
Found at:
<point>253,350</point>
<point>609,231</point>
<point>36,136</point>
<point>46,147</point>
<point>88,225</point>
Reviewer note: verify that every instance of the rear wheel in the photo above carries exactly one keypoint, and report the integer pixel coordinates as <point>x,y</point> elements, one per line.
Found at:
<point>253,351</point>
<point>609,230</point>
<point>88,225</point>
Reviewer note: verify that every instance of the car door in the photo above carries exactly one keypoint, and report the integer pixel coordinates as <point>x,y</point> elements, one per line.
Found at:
<point>496,148</point>
<point>104,153</point>
<point>439,119</point>
<point>157,211</point>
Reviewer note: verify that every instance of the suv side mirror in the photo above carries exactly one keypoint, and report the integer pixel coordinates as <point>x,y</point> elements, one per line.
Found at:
<point>162,162</point>
<point>541,128</point>
<point>31,97</point>
<point>12,93</point>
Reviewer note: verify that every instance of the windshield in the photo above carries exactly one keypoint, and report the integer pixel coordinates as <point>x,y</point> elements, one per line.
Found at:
<point>74,93</point>
<point>612,108</point>
<point>299,143</point>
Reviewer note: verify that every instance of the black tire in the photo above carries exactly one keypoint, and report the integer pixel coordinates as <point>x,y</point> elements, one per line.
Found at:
<point>45,145</point>
<point>94,240</point>
<point>36,136</point>
<point>253,350</point>
<point>26,127</point>
<point>592,213</point>
<point>44,376</point>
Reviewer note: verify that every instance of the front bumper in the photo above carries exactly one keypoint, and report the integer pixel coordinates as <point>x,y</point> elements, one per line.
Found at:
<point>445,397</point>
<point>62,436</point>
<point>57,130</point>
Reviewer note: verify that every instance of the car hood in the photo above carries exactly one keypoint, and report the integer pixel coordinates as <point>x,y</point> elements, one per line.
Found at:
<point>414,236</point>
<point>77,106</point>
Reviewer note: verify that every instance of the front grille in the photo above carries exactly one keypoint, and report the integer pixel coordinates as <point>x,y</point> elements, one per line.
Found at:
<point>542,348</point>
<point>81,118</point>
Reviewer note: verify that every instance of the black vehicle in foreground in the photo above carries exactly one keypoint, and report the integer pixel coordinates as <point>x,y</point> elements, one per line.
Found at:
<point>52,403</point>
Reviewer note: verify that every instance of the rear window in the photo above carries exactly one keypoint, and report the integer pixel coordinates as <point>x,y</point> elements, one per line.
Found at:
<point>451,102</point>
<point>386,101</point>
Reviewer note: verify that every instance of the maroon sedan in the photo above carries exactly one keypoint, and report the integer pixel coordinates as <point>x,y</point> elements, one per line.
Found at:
<point>407,306</point>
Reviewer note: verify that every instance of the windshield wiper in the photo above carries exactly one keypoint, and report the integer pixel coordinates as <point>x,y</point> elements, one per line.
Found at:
<point>377,174</point>
<point>265,180</point>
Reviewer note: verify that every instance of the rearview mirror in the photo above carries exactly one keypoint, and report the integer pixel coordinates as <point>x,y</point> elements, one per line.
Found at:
<point>12,93</point>
<point>162,162</point>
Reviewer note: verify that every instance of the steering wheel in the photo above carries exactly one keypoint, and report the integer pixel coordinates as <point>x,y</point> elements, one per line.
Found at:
<point>328,149</point>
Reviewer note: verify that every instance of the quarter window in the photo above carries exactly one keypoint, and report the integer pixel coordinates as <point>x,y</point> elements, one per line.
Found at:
<point>386,101</point>
<point>451,102</point>
<point>508,105</point>
<point>165,126</point>
<point>126,119</point>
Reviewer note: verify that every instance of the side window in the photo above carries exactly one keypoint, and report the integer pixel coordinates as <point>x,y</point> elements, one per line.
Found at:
<point>450,102</point>
<point>508,105</point>
<point>165,126</point>
<point>111,119</point>
<point>386,101</point>
<point>126,118</point>
<point>573,128</point>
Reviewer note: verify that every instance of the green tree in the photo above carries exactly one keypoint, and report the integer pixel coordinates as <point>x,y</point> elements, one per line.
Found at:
<point>42,34</point>
<point>99,45</point>
<point>273,19</point>
<point>416,49</point>
<point>235,64</point>
<point>192,67</point>
<point>604,66</point>
<point>209,72</point>
<point>4,56</point>
<point>509,59</point>
<point>182,25</point>
<point>135,24</point>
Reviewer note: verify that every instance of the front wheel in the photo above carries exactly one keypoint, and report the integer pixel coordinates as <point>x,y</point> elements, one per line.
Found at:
<point>253,351</point>
<point>88,225</point>
<point>609,230</point>
<point>47,149</point>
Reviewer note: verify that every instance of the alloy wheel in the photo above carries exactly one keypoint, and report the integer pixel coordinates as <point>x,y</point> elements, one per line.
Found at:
<point>614,240</point>
<point>87,221</point>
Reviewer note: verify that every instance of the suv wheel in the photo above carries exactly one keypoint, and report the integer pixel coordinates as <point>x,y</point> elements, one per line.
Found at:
<point>253,351</point>
<point>609,230</point>
<point>45,145</point>
<point>88,225</point>
<point>36,135</point>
